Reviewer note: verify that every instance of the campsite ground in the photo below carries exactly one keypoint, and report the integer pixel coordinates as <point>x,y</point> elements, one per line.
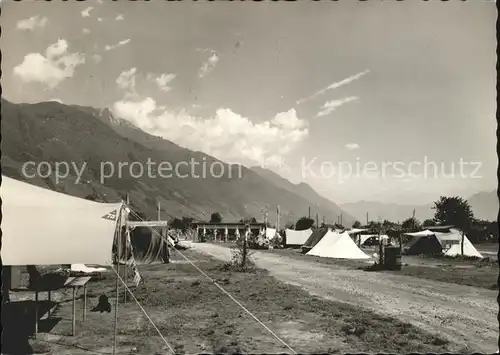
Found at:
<point>475,273</point>
<point>483,274</point>
<point>195,316</point>
<point>465,315</point>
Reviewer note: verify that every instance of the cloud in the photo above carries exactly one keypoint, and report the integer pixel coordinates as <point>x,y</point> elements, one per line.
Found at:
<point>163,80</point>
<point>86,31</point>
<point>97,58</point>
<point>352,146</point>
<point>99,19</point>
<point>208,65</point>
<point>226,135</point>
<point>32,23</point>
<point>86,12</point>
<point>119,17</point>
<point>126,80</point>
<point>56,100</point>
<point>332,105</point>
<point>56,66</point>
<point>119,44</point>
<point>334,85</point>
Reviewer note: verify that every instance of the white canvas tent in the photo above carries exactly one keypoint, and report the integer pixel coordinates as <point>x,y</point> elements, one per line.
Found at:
<point>294,237</point>
<point>43,227</point>
<point>338,246</point>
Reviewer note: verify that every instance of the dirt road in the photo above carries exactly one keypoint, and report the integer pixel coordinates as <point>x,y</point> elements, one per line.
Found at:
<point>466,316</point>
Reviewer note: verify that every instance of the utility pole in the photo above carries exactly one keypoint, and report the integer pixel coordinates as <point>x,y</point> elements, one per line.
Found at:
<point>317,222</point>
<point>367,218</point>
<point>125,274</point>
<point>278,219</point>
<point>341,219</point>
<point>309,212</point>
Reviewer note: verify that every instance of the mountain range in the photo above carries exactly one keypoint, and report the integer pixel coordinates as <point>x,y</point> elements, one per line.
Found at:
<point>484,205</point>
<point>89,137</point>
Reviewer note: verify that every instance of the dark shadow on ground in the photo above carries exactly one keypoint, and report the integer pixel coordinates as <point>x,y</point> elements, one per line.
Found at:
<point>18,322</point>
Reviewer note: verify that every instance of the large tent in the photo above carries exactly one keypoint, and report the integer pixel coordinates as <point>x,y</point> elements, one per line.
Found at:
<point>43,227</point>
<point>315,237</point>
<point>432,243</point>
<point>338,246</point>
<point>297,238</point>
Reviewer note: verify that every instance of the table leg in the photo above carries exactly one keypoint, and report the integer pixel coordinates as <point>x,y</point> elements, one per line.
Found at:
<point>36,313</point>
<point>125,288</point>
<point>84,302</point>
<point>50,303</point>
<point>74,311</point>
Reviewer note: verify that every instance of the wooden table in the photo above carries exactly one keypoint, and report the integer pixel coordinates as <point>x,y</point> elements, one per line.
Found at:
<point>74,283</point>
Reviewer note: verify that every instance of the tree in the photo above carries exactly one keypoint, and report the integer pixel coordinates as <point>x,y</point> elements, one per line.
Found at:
<point>187,223</point>
<point>338,226</point>
<point>215,217</point>
<point>356,224</point>
<point>411,224</point>
<point>429,223</point>
<point>176,224</point>
<point>453,211</point>
<point>304,223</point>
<point>248,220</point>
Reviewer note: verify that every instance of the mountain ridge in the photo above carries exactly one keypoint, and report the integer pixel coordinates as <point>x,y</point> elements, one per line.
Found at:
<point>484,205</point>
<point>54,132</point>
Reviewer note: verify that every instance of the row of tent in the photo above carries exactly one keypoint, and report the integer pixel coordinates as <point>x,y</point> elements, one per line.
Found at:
<point>320,242</point>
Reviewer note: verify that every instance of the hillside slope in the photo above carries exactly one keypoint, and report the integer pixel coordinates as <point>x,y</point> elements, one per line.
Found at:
<point>54,132</point>
<point>308,193</point>
<point>391,211</point>
<point>484,205</point>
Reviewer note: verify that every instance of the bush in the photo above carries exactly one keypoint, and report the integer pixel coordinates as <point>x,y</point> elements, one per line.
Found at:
<point>240,257</point>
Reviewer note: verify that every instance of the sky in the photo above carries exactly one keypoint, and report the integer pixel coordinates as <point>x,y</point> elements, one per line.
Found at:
<point>351,97</point>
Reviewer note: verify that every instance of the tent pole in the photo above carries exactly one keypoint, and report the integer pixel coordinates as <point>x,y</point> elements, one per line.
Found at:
<point>117,278</point>
<point>125,276</point>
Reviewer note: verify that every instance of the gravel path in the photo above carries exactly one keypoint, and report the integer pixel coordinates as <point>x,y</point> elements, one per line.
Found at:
<point>464,315</point>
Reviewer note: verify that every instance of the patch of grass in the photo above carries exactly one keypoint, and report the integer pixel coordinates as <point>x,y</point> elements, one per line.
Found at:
<point>195,316</point>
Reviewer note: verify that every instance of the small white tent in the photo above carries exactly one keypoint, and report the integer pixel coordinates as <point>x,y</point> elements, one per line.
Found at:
<point>338,246</point>
<point>294,237</point>
<point>43,227</point>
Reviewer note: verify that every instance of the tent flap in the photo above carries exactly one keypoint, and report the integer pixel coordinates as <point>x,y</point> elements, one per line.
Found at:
<point>43,227</point>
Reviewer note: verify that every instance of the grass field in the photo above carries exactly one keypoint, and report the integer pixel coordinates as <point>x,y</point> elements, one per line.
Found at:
<point>195,316</point>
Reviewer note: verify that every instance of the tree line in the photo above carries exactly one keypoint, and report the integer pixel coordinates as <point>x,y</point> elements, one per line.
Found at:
<point>453,211</point>
<point>449,211</point>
